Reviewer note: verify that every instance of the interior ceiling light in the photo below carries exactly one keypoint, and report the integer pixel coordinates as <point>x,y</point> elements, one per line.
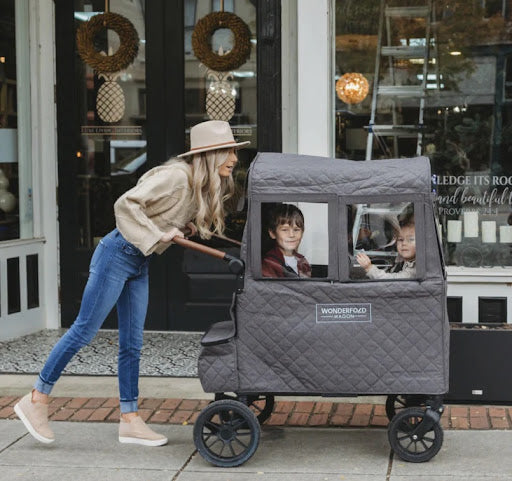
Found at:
<point>352,88</point>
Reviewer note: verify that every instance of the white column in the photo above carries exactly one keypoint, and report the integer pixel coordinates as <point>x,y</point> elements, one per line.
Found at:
<point>315,103</point>
<point>44,152</point>
<point>315,129</point>
<point>289,75</point>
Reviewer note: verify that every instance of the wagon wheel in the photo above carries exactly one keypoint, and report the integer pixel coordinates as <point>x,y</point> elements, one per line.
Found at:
<point>405,440</point>
<point>262,404</point>
<point>397,402</point>
<point>226,433</point>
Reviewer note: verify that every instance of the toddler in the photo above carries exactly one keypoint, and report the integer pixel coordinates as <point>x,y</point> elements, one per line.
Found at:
<point>405,268</point>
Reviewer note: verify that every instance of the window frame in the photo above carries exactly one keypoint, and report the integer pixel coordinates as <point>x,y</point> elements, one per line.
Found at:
<point>330,200</point>
<point>418,201</point>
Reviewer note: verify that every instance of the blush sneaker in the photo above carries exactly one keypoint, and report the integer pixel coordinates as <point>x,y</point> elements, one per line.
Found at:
<point>138,432</point>
<point>35,418</point>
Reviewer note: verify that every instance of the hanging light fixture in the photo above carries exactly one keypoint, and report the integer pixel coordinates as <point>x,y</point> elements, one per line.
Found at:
<point>352,88</point>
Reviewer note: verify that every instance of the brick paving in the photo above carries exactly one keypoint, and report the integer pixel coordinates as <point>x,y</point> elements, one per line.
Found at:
<point>286,413</point>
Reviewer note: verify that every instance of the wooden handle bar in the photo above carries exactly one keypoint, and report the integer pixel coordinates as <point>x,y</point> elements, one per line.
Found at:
<point>187,232</point>
<point>199,247</point>
<point>233,241</point>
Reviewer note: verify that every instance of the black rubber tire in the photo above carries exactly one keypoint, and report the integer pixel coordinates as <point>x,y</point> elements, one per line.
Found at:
<point>400,435</point>
<point>262,413</point>
<point>397,402</point>
<point>225,422</point>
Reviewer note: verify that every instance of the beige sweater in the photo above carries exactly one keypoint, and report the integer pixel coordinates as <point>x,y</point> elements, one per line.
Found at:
<point>161,200</point>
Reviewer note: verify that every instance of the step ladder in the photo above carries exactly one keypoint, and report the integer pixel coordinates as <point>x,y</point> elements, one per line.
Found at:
<point>394,92</point>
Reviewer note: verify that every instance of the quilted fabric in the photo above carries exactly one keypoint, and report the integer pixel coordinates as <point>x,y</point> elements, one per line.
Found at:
<point>305,174</point>
<point>217,368</point>
<point>280,347</point>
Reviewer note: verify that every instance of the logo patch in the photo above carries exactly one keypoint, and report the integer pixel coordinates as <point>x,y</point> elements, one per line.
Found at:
<point>343,313</point>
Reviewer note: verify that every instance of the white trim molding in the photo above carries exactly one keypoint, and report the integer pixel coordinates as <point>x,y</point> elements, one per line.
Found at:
<point>44,151</point>
<point>315,109</point>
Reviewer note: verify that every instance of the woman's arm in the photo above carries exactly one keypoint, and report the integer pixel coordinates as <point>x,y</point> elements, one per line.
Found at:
<point>154,193</point>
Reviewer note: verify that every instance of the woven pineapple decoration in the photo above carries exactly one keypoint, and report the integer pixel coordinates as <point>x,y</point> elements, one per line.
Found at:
<point>220,96</point>
<point>110,102</point>
<point>110,99</point>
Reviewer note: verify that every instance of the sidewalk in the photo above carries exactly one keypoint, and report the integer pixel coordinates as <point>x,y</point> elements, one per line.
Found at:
<point>90,452</point>
<point>306,439</point>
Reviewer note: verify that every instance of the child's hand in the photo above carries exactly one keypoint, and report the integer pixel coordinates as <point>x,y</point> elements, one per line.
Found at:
<point>364,261</point>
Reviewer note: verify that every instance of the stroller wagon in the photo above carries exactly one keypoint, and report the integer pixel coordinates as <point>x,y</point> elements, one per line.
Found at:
<point>337,331</point>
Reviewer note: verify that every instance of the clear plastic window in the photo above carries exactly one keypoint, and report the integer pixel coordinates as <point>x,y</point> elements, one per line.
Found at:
<point>382,241</point>
<point>294,240</point>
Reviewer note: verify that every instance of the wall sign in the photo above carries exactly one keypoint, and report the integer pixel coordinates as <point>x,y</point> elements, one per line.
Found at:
<point>111,130</point>
<point>487,194</point>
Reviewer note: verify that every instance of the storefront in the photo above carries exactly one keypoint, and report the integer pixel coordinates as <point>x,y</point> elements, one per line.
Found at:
<point>114,127</point>
<point>372,79</point>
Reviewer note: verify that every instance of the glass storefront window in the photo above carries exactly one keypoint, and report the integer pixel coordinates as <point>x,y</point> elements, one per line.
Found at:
<point>112,148</point>
<point>229,96</point>
<point>15,131</point>
<point>440,81</point>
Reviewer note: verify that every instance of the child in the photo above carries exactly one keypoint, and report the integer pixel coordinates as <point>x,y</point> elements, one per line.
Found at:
<point>286,228</point>
<point>405,268</point>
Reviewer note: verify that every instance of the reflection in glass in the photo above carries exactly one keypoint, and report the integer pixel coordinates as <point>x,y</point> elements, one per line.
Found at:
<point>229,96</point>
<point>440,81</point>
<point>111,155</point>
<point>16,210</point>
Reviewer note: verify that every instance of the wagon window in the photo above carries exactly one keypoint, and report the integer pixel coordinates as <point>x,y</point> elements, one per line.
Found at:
<point>294,240</point>
<point>382,241</point>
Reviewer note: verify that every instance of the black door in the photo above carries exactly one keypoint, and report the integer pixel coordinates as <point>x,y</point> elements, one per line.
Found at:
<point>165,92</point>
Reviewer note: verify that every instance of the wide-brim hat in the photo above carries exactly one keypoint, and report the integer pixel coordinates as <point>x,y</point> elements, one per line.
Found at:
<point>212,135</point>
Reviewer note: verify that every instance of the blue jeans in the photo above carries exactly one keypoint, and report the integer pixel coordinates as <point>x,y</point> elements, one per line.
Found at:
<point>118,274</point>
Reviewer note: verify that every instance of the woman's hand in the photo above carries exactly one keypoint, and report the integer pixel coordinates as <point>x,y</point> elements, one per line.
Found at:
<point>169,236</point>
<point>192,228</point>
<point>364,261</point>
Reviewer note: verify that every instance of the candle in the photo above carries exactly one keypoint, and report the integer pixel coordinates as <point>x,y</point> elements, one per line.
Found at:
<point>505,234</point>
<point>470,224</point>
<point>488,231</point>
<point>454,231</point>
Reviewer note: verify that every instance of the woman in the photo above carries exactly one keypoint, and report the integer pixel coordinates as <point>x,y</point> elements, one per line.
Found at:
<point>180,194</point>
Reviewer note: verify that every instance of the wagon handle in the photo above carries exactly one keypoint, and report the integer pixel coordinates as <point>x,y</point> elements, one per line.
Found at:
<point>187,232</point>
<point>233,241</point>
<point>236,265</point>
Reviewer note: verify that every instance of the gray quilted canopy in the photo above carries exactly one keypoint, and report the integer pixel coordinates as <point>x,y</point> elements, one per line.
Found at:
<point>279,340</point>
<point>305,174</point>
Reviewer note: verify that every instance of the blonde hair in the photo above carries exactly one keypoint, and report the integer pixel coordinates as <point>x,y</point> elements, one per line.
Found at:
<point>210,191</point>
